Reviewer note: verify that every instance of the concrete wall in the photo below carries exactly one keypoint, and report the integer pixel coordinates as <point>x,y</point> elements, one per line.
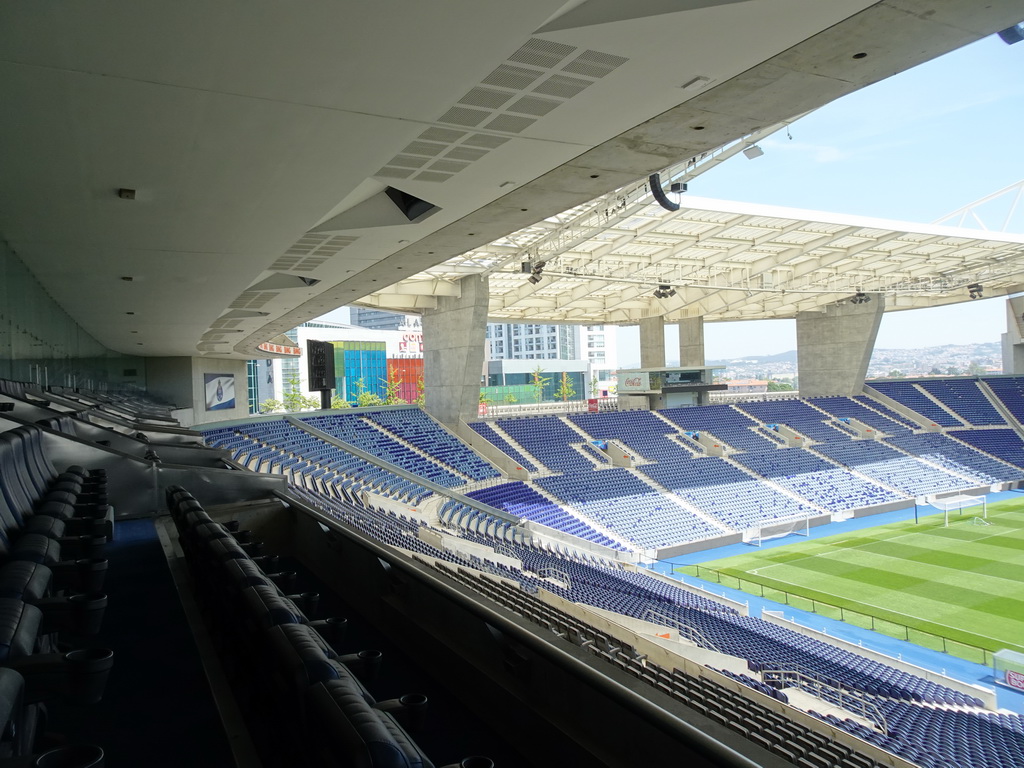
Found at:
<point>453,353</point>
<point>834,347</point>
<point>179,380</point>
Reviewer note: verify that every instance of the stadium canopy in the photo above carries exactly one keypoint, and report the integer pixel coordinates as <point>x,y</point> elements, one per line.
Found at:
<point>624,257</point>
<point>192,179</point>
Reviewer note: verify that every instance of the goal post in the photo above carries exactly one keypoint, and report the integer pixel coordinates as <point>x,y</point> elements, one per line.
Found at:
<point>755,537</point>
<point>958,504</point>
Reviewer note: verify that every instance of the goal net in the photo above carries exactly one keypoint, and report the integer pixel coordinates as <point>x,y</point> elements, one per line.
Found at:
<point>957,505</point>
<point>757,536</point>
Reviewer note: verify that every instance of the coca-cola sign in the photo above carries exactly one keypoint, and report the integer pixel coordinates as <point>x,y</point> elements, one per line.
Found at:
<point>635,382</point>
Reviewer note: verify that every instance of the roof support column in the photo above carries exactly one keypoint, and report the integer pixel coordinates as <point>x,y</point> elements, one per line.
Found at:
<point>834,347</point>
<point>453,352</point>
<point>691,342</point>
<point>652,342</point>
<point>1013,339</point>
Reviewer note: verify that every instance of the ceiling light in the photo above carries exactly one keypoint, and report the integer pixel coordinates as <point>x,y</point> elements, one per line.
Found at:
<point>534,279</point>
<point>696,83</point>
<point>860,298</point>
<point>753,151</point>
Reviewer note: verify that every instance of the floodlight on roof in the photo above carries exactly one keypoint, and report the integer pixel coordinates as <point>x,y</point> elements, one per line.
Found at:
<point>974,290</point>
<point>1013,34</point>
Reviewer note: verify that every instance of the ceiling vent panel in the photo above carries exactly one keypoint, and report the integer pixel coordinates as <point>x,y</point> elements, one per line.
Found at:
<point>446,135</point>
<point>432,176</point>
<point>594,64</point>
<point>542,53</point>
<point>533,105</point>
<point>486,97</point>
<point>484,140</point>
<point>562,86</point>
<point>516,78</point>
<point>390,172</point>
<point>510,123</point>
<point>424,148</point>
<point>465,153</point>
<point>408,161</point>
<point>464,116</point>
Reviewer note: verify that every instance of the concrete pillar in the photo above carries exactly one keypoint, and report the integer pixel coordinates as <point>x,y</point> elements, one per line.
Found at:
<point>652,342</point>
<point>834,347</point>
<point>691,342</point>
<point>1013,339</point>
<point>453,352</point>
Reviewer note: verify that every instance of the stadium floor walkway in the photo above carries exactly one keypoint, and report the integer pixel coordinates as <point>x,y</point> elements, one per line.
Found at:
<point>935,661</point>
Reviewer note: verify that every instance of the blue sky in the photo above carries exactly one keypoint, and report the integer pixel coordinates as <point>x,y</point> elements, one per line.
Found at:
<point>913,147</point>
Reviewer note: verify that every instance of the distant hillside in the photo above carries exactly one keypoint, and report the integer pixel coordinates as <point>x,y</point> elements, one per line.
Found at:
<point>946,359</point>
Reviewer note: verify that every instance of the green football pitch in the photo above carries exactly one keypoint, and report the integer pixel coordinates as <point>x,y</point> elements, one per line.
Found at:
<point>958,588</point>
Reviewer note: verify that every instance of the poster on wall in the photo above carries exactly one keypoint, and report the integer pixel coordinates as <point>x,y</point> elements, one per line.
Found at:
<point>220,391</point>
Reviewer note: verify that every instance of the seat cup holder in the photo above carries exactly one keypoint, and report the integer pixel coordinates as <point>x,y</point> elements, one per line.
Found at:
<point>89,609</point>
<point>75,756</point>
<point>92,571</point>
<point>89,669</point>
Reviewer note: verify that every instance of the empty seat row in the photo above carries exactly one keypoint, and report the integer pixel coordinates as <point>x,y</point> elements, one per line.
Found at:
<point>287,665</point>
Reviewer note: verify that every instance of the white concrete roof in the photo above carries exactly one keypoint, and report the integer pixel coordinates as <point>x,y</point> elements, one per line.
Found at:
<point>260,137</point>
<point>723,260</point>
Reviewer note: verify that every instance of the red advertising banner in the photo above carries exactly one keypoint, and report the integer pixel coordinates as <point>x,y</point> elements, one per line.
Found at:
<point>592,405</point>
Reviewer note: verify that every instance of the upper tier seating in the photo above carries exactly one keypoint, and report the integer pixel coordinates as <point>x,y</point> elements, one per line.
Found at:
<point>1004,444</point>
<point>1010,391</point>
<point>487,432</point>
<point>965,399</point>
<point>724,422</point>
<point>416,427</point>
<point>798,416</point>
<point>548,439</point>
<point>847,407</point>
<point>353,430</point>
<point>641,431</point>
<point>905,393</point>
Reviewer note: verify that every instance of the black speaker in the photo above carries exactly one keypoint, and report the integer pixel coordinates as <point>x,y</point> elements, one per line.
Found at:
<point>659,193</point>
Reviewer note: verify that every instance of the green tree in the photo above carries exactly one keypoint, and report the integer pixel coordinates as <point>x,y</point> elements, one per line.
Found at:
<point>391,389</point>
<point>779,386</point>
<point>420,397</point>
<point>895,373</point>
<point>953,371</point>
<point>271,406</point>
<point>594,386</point>
<point>565,389</point>
<point>935,371</point>
<point>365,398</point>
<point>538,382</point>
<point>338,402</point>
<point>975,368</point>
<point>294,400</point>
<point>511,399</point>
